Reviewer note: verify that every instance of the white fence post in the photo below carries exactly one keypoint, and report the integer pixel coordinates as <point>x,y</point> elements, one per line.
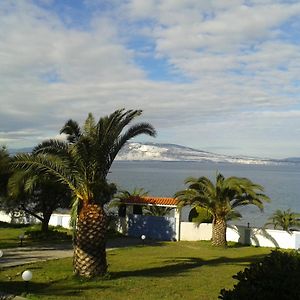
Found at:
<point>177,224</point>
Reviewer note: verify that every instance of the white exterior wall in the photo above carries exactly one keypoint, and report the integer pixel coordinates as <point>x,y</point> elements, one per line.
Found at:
<point>60,220</point>
<point>273,238</point>
<point>189,231</point>
<point>5,217</point>
<point>257,237</point>
<point>297,240</point>
<point>236,234</point>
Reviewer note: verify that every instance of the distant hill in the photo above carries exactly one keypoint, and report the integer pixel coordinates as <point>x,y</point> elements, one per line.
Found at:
<point>20,150</point>
<point>293,159</point>
<point>172,152</point>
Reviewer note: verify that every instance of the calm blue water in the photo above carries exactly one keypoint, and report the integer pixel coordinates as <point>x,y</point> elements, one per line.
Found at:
<point>282,183</point>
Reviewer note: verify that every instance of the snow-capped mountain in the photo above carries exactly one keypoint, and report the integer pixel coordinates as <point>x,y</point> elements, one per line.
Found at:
<point>171,152</point>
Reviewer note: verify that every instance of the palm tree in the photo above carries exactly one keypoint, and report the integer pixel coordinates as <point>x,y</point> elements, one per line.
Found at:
<point>124,195</point>
<point>157,211</point>
<point>285,219</point>
<point>82,163</point>
<point>221,199</point>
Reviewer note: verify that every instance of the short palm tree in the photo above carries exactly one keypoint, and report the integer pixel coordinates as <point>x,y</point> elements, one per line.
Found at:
<point>82,163</point>
<point>123,195</point>
<point>157,211</point>
<point>285,219</point>
<point>221,200</point>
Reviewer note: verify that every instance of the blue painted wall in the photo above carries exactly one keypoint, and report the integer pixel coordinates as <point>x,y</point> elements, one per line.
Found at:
<point>156,228</point>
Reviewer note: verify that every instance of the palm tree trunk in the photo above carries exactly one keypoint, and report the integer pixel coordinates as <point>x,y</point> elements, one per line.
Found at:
<point>219,232</point>
<point>89,243</point>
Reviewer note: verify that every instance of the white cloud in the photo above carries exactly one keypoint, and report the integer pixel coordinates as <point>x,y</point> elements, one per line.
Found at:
<point>242,74</point>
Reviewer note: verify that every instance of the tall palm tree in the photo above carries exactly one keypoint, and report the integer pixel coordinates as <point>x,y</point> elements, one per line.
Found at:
<point>82,163</point>
<point>286,219</point>
<point>221,199</point>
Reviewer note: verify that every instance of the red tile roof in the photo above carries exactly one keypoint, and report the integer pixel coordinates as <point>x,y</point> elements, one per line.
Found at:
<point>163,201</point>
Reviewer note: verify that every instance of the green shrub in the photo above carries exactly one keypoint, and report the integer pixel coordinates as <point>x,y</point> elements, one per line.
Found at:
<point>34,233</point>
<point>274,277</point>
<point>12,225</point>
<point>200,215</point>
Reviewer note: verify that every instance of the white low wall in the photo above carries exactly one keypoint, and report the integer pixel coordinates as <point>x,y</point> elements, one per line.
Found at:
<point>241,234</point>
<point>18,218</point>
<point>60,220</point>
<point>4,217</point>
<point>273,238</point>
<point>57,219</point>
<point>189,231</point>
<point>237,234</point>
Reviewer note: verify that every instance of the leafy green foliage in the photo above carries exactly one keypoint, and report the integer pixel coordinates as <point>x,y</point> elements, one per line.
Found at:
<point>12,225</point>
<point>54,233</point>
<point>36,195</point>
<point>158,211</point>
<point>5,171</point>
<point>83,161</point>
<point>221,199</point>
<point>274,277</point>
<point>124,195</point>
<point>200,215</point>
<point>286,219</point>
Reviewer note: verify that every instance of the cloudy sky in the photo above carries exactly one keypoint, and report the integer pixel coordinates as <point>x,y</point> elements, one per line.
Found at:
<point>222,76</point>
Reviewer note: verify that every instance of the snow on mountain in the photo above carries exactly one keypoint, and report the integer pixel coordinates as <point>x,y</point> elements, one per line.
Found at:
<point>171,152</point>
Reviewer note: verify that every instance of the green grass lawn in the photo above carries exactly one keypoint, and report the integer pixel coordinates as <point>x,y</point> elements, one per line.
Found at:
<point>170,270</point>
<point>9,235</point>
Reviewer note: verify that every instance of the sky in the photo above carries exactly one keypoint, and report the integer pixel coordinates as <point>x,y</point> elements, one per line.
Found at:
<point>221,76</point>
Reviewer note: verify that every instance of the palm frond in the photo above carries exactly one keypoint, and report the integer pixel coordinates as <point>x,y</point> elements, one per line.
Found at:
<point>222,197</point>
<point>49,164</point>
<point>90,125</point>
<point>133,131</point>
<point>74,214</point>
<point>72,130</point>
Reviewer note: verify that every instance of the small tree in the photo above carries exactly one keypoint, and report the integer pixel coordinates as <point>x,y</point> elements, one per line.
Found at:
<point>123,195</point>
<point>38,196</point>
<point>221,199</point>
<point>286,219</point>
<point>200,215</point>
<point>157,211</point>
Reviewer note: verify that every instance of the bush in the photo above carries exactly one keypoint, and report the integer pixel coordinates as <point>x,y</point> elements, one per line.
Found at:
<point>12,225</point>
<point>34,233</point>
<point>274,277</point>
<point>200,215</point>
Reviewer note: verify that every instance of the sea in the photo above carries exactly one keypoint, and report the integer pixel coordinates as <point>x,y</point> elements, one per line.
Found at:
<point>165,178</point>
